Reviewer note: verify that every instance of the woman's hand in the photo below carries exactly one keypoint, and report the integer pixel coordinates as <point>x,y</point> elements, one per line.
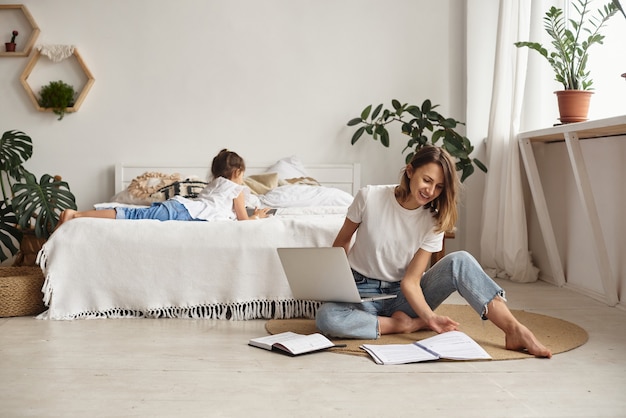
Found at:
<point>441,324</point>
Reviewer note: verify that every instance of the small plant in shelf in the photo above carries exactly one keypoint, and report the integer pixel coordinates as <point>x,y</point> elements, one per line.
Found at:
<point>10,46</point>
<point>57,96</point>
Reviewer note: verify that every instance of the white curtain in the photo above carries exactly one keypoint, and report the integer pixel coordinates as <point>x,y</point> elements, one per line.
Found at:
<point>504,239</point>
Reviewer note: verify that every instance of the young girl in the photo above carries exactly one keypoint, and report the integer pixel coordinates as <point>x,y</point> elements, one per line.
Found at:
<point>223,198</point>
<point>397,228</point>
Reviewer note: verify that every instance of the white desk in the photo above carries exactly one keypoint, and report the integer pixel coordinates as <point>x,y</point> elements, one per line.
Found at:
<point>572,133</point>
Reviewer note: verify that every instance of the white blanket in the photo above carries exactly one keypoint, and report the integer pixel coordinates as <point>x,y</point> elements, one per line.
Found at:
<point>98,268</point>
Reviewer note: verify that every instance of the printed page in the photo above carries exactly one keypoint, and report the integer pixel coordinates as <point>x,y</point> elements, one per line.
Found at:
<point>267,342</point>
<point>305,344</point>
<point>454,345</point>
<point>398,353</point>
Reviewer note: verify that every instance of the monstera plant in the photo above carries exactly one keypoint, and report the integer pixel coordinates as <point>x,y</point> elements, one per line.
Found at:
<point>28,206</point>
<point>423,125</point>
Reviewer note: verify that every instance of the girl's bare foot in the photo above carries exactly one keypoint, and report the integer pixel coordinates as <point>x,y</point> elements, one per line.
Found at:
<point>521,338</point>
<point>66,215</point>
<point>400,323</point>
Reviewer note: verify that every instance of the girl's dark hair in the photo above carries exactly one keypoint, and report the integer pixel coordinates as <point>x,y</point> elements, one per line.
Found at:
<point>226,163</point>
<point>444,208</point>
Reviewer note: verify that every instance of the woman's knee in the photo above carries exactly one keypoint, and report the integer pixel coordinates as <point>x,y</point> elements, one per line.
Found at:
<point>326,318</point>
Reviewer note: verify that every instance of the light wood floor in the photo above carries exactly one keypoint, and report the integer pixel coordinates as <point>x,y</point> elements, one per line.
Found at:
<point>204,368</point>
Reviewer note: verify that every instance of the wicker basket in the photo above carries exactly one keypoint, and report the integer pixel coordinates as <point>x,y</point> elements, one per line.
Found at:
<point>20,291</point>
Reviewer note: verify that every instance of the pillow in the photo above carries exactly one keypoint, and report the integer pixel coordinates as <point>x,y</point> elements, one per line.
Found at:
<point>303,180</point>
<point>185,188</point>
<point>261,183</point>
<point>288,168</point>
<point>141,188</point>
<point>301,195</point>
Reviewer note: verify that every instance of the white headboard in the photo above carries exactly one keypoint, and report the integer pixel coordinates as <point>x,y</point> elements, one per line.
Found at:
<point>346,177</point>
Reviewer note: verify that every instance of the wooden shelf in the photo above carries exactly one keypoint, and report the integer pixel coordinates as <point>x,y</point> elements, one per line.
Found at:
<point>572,134</point>
<point>79,99</point>
<point>584,130</point>
<point>30,41</point>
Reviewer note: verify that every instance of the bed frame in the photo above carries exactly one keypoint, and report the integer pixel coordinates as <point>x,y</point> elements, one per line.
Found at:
<point>346,177</point>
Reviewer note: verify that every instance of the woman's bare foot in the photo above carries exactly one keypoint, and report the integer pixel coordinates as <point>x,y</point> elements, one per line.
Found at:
<point>400,323</point>
<point>518,337</point>
<point>521,338</point>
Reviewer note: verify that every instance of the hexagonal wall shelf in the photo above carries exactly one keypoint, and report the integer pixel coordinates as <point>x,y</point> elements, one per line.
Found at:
<point>79,99</point>
<point>34,31</point>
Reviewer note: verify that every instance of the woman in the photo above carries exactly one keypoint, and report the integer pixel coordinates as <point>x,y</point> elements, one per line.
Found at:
<point>397,228</point>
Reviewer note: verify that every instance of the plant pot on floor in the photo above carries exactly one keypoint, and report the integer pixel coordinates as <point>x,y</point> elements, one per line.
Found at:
<point>29,249</point>
<point>10,46</point>
<point>573,105</point>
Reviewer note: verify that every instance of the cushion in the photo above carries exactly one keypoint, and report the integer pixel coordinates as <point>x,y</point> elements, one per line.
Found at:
<point>185,188</point>
<point>300,195</point>
<point>261,183</point>
<point>303,180</point>
<point>141,188</point>
<point>288,168</point>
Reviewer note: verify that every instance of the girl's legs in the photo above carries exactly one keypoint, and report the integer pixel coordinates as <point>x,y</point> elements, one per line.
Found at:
<point>68,214</point>
<point>163,211</point>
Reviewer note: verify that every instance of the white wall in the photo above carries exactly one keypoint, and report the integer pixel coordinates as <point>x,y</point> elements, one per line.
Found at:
<point>177,81</point>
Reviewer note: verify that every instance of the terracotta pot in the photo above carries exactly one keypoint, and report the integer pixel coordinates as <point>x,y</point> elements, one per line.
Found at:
<point>573,105</point>
<point>10,46</point>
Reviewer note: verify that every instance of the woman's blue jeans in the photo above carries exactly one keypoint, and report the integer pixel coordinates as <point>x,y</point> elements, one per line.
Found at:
<point>458,271</point>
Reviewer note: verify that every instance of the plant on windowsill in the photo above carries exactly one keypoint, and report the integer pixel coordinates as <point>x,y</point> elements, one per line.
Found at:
<point>424,126</point>
<point>57,96</point>
<point>28,209</point>
<point>570,53</point>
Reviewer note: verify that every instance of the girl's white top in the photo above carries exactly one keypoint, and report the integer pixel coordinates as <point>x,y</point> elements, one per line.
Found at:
<point>214,202</point>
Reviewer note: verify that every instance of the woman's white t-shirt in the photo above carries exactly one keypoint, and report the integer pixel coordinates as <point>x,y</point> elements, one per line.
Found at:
<point>388,235</point>
<point>214,202</point>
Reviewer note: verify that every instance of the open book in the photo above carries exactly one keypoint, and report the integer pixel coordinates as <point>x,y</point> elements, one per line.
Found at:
<point>292,343</point>
<point>452,345</point>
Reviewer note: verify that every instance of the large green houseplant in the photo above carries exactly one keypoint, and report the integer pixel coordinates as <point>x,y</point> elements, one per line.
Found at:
<point>570,48</point>
<point>423,125</point>
<point>28,206</point>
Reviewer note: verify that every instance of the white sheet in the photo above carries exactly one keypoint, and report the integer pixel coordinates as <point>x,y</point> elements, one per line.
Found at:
<point>227,269</point>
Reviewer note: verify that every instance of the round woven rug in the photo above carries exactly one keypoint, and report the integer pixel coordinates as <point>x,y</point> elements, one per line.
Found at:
<point>556,334</point>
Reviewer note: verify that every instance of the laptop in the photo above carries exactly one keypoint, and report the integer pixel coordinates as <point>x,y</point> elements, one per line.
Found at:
<point>250,211</point>
<point>323,274</point>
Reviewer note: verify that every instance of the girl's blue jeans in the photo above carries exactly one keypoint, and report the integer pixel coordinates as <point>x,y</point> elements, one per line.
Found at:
<point>170,210</point>
<point>458,271</point>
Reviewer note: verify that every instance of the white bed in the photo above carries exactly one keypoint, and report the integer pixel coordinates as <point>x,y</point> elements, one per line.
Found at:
<point>97,268</point>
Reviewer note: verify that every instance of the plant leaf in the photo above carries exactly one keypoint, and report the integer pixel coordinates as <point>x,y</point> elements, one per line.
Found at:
<point>42,202</point>
<point>366,112</point>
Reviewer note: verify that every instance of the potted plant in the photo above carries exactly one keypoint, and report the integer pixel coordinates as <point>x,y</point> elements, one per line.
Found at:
<point>28,208</point>
<point>417,122</point>
<point>10,46</point>
<point>570,53</point>
<point>57,96</point>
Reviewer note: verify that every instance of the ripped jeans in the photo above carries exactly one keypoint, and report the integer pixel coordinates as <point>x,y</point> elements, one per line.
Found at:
<point>458,271</point>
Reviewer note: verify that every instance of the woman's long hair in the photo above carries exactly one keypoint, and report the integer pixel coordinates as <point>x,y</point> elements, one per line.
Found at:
<point>444,207</point>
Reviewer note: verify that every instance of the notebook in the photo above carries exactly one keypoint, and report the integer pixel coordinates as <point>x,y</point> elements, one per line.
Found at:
<point>323,274</point>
